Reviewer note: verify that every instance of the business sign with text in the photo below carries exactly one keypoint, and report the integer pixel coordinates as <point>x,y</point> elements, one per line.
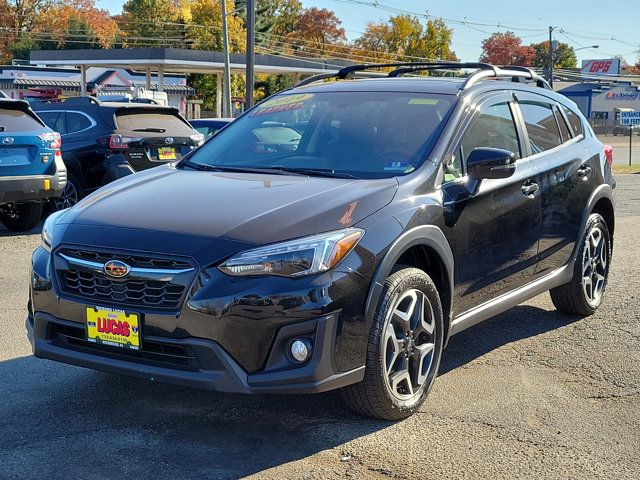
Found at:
<point>629,118</point>
<point>610,66</point>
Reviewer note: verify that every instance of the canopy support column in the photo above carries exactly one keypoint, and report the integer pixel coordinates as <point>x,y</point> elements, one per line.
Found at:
<point>161,78</point>
<point>219,95</point>
<point>83,80</point>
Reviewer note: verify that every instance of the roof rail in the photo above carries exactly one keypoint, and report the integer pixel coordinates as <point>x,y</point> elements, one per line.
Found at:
<point>416,67</point>
<point>484,70</point>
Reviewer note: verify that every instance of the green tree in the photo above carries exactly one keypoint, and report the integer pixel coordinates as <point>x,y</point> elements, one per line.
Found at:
<point>150,22</point>
<point>563,56</point>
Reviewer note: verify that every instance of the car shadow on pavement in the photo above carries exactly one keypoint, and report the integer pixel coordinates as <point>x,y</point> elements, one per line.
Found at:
<point>60,421</point>
<point>520,322</point>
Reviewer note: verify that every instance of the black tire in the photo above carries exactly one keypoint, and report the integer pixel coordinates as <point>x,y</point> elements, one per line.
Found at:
<point>374,396</point>
<point>72,193</point>
<point>574,297</point>
<point>22,217</point>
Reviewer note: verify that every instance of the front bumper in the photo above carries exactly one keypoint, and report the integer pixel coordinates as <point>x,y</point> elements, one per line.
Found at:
<point>230,336</point>
<point>213,368</point>
<point>32,187</point>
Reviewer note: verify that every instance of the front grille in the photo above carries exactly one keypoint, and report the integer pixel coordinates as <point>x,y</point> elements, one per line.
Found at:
<point>152,352</point>
<point>144,290</point>
<point>144,293</point>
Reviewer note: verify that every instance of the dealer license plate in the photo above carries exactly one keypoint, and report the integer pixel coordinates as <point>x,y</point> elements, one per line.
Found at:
<point>166,153</point>
<point>117,328</point>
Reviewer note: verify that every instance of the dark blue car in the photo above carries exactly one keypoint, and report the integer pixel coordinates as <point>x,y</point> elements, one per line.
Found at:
<point>31,166</point>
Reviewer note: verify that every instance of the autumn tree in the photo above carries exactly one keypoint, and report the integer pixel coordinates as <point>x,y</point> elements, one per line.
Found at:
<point>17,19</point>
<point>404,37</point>
<point>76,24</point>
<point>315,32</point>
<point>563,55</point>
<point>506,49</point>
<point>60,24</point>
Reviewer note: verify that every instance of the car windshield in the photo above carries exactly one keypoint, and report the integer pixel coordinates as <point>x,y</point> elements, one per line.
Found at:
<point>359,134</point>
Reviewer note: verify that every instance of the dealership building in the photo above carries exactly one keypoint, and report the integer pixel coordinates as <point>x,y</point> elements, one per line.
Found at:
<point>601,101</point>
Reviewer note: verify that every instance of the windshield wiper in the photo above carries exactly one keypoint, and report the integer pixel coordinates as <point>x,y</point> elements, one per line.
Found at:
<point>153,130</point>
<point>237,169</point>
<point>314,172</point>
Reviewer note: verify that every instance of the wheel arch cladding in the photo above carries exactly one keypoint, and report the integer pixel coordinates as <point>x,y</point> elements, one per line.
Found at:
<point>604,207</point>
<point>423,247</point>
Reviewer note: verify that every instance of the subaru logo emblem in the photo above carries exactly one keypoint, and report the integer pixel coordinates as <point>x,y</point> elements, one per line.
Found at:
<point>8,140</point>
<point>168,140</point>
<point>116,269</point>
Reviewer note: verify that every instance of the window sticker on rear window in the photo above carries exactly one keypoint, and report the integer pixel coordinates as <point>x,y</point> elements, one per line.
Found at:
<point>281,104</point>
<point>423,101</point>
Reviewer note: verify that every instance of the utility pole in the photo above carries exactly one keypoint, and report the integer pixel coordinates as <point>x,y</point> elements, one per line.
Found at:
<point>251,58</point>
<point>551,57</point>
<point>226,78</point>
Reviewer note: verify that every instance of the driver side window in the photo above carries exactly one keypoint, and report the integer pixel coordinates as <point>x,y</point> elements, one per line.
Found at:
<point>493,127</point>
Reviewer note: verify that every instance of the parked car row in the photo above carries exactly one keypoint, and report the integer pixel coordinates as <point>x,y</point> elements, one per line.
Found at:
<point>62,151</point>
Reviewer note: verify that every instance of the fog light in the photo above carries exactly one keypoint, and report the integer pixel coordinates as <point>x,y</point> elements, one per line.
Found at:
<point>300,350</point>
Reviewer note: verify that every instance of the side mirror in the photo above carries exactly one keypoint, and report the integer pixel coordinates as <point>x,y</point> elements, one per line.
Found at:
<point>486,162</point>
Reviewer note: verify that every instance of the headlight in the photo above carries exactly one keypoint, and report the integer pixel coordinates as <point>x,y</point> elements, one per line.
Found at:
<point>304,256</point>
<point>47,228</point>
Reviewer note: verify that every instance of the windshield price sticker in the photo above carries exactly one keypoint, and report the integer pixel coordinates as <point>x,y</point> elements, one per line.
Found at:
<point>281,104</point>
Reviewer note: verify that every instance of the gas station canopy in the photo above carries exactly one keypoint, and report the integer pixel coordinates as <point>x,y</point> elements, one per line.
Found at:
<point>181,61</point>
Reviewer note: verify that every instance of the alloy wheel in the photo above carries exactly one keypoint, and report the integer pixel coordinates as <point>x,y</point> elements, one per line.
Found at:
<point>68,198</point>
<point>408,344</point>
<point>594,265</point>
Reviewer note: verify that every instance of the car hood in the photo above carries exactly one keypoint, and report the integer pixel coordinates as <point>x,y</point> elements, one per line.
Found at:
<point>241,207</point>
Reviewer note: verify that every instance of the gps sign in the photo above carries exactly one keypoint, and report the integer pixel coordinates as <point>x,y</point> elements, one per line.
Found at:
<point>629,118</point>
<point>601,67</point>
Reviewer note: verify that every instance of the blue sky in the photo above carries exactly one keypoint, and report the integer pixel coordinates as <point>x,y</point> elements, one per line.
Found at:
<point>580,22</point>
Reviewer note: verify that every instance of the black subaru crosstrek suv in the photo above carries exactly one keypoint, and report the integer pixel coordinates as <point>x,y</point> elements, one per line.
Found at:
<point>407,209</point>
<point>104,141</point>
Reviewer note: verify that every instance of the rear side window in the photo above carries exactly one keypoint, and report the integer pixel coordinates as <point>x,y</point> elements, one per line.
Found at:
<point>564,129</point>
<point>541,126</point>
<point>152,121</point>
<point>14,120</point>
<point>54,120</point>
<point>574,121</point>
<point>77,122</point>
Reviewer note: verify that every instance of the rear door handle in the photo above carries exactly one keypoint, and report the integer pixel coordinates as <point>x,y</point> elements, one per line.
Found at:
<point>530,188</point>
<point>584,171</point>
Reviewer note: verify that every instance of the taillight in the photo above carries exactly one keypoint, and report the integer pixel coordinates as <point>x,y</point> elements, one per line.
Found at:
<point>608,153</point>
<point>58,155</point>
<point>52,138</point>
<point>119,142</point>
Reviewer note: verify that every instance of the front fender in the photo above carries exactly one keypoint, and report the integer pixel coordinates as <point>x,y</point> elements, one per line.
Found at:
<point>427,235</point>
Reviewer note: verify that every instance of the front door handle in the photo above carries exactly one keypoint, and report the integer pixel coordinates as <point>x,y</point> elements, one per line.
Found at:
<point>584,171</point>
<point>530,188</point>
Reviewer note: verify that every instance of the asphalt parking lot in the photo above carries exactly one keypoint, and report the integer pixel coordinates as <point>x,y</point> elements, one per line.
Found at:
<point>527,394</point>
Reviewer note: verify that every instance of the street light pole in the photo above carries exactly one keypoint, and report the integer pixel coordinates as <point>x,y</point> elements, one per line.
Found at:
<point>251,59</point>
<point>226,80</point>
<point>551,57</point>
